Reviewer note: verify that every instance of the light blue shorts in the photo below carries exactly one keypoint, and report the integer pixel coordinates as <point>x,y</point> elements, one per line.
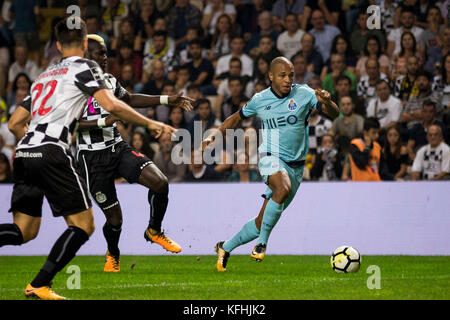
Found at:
<point>269,165</point>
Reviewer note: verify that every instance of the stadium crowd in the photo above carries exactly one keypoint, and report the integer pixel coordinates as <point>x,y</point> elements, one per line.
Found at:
<point>391,83</point>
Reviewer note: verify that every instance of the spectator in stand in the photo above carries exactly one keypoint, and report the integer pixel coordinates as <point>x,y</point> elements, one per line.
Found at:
<point>351,125</point>
<point>51,52</point>
<point>361,34</point>
<point>176,118</point>
<point>213,10</point>
<point>5,170</point>
<point>338,68</point>
<point>221,38</point>
<point>242,172</point>
<point>365,153</point>
<point>366,85</point>
<point>421,9</point>
<point>390,14</point>
<point>223,91</point>
<point>144,20</point>
<point>340,46</point>
<point>282,8</point>
<point>183,53</point>
<point>441,82</point>
<point>199,171</point>
<point>418,133</point>
<point>406,86</point>
<point>115,11</point>
<point>302,74</point>
<point>232,104</point>
<point>318,127</point>
<point>315,83</point>
<point>312,56</point>
<point>327,166</point>
<point>21,81</point>
<point>27,18</point>
<point>21,94</point>
<point>201,70</point>
<point>433,160</point>
<point>22,65</point>
<point>93,27</point>
<point>289,42</point>
<point>182,79</point>
<point>330,9</point>
<point>412,113</point>
<point>385,107</point>
<point>126,33</point>
<point>126,56</point>
<point>265,29</point>
<point>407,20</point>
<point>437,53</point>
<point>140,143</point>
<point>205,115</point>
<point>182,16</point>
<point>156,80</point>
<point>247,16</point>
<point>323,33</point>
<point>163,160</point>
<point>394,156</point>
<point>372,50</point>
<point>265,47</point>
<point>408,49</point>
<point>162,110</point>
<point>159,48</point>
<point>262,66</point>
<point>434,28</point>
<point>343,88</point>
<point>237,50</point>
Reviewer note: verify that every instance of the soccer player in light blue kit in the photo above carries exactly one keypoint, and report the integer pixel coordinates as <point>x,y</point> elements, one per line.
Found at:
<point>284,109</point>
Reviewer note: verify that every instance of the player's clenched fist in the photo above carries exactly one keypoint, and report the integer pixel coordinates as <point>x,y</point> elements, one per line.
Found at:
<point>323,96</point>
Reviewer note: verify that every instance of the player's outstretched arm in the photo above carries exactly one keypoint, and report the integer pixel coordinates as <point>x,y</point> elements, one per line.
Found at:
<point>124,112</point>
<point>18,123</point>
<point>88,124</point>
<point>137,100</point>
<point>328,106</point>
<point>230,123</point>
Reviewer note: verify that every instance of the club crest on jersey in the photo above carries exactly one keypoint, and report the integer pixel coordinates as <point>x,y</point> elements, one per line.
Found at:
<point>292,105</point>
<point>100,197</point>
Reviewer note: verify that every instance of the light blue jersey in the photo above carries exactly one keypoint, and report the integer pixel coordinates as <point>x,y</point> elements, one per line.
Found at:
<point>284,121</point>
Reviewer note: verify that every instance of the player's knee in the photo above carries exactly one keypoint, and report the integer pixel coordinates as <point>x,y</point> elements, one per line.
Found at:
<point>282,193</point>
<point>161,185</point>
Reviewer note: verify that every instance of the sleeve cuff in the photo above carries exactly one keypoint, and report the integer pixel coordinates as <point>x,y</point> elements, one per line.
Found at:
<point>319,106</point>
<point>241,114</point>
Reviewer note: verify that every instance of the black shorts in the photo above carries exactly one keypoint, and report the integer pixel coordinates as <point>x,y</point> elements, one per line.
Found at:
<point>48,171</point>
<point>101,167</point>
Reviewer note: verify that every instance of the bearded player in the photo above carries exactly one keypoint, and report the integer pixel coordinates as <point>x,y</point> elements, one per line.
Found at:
<point>284,109</point>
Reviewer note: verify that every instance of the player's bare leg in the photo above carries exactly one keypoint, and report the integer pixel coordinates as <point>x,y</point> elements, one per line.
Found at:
<point>23,229</point>
<point>280,184</point>
<point>80,227</point>
<point>111,230</point>
<point>158,198</point>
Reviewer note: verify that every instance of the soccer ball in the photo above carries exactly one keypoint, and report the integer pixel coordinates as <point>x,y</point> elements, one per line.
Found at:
<point>345,259</point>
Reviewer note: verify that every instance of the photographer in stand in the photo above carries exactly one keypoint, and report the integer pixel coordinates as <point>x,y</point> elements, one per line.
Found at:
<point>327,166</point>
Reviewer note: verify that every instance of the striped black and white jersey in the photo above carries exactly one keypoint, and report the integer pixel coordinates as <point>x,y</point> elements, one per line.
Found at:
<point>100,138</point>
<point>57,100</point>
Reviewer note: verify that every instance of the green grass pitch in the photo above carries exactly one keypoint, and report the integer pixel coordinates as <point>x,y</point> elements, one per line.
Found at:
<point>276,278</point>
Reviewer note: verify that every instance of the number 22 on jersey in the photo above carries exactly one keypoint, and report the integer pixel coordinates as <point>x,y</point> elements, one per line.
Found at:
<point>42,110</point>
